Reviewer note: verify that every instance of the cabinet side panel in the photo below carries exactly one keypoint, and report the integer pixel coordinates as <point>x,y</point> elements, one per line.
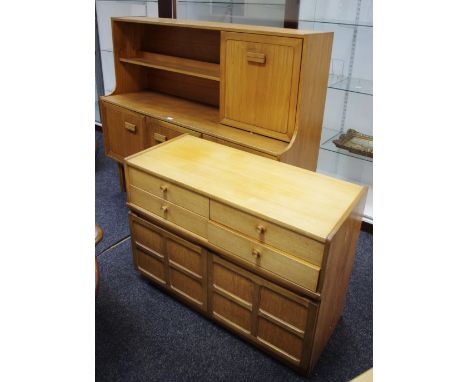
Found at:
<point>339,264</point>
<point>304,148</point>
<point>126,39</point>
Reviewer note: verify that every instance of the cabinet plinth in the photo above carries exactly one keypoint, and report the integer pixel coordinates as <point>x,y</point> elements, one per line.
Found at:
<point>261,247</point>
<point>258,89</point>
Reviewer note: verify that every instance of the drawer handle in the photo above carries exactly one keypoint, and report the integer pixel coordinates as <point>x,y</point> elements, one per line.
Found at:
<point>256,253</point>
<point>256,57</point>
<point>165,209</point>
<point>261,229</point>
<point>160,138</point>
<point>130,127</point>
<point>163,188</point>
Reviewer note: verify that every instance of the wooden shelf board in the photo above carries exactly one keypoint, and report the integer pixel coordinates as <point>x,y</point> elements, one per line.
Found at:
<point>194,116</point>
<point>194,68</point>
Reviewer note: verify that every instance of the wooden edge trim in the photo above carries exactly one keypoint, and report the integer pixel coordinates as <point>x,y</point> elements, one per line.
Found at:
<point>255,129</point>
<point>283,324</point>
<point>185,271</point>
<point>278,350</point>
<point>230,323</point>
<point>310,334</point>
<point>178,240</point>
<point>357,202</point>
<point>210,25</point>
<point>148,250</point>
<point>228,295</point>
<point>151,276</point>
<point>183,294</point>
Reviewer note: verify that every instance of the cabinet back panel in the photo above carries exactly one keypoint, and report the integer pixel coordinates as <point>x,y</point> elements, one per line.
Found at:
<point>196,44</point>
<point>184,86</point>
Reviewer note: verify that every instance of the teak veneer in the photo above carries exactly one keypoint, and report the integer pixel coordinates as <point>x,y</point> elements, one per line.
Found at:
<point>258,89</point>
<point>264,248</point>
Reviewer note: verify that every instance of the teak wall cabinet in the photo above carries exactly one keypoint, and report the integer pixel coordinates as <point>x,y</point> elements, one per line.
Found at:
<point>263,248</point>
<point>259,89</point>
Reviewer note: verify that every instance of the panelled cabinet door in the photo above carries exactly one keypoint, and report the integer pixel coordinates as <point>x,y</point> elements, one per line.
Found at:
<point>123,131</point>
<point>259,83</point>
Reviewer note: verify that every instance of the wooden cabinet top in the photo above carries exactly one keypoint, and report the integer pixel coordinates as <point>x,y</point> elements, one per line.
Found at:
<point>303,201</point>
<point>219,26</point>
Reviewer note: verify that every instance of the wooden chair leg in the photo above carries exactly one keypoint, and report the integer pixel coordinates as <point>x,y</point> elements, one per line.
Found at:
<point>122,177</point>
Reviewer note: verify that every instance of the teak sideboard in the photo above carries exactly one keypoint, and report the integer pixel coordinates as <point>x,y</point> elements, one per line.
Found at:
<point>263,248</point>
<point>258,89</point>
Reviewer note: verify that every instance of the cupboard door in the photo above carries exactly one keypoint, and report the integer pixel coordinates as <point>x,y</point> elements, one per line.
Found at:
<point>259,83</point>
<point>187,270</point>
<point>232,297</point>
<point>148,250</point>
<point>123,131</point>
<point>159,131</point>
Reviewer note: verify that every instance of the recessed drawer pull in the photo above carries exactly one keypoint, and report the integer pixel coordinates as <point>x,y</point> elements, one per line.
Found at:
<point>163,188</point>
<point>256,57</point>
<point>261,229</point>
<point>256,253</point>
<point>160,138</point>
<point>130,127</point>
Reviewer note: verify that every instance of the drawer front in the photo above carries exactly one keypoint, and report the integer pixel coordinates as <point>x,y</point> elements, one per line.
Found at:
<point>260,83</point>
<point>165,190</point>
<point>158,131</point>
<point>295,270</point>
<point>269,233</point>
<point>123,131</point>
<point>168,211</point>
<point>236,146</point>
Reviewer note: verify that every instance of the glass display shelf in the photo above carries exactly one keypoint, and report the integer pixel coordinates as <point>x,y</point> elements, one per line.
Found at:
<point>335,167</point>
<point>350,84</point>
<point>328,135</point>
<point>338,22</point>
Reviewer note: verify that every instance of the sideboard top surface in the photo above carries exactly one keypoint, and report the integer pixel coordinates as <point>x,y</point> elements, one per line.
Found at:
<point>310,203</point>
<point>219,26</point>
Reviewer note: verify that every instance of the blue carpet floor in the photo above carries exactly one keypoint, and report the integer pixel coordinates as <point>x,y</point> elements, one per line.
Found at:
<point>143,334</point>
<point>110,210</point>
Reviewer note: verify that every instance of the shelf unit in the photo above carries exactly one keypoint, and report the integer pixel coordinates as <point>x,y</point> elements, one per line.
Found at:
<point>258,89</point>
<point>175,64</point>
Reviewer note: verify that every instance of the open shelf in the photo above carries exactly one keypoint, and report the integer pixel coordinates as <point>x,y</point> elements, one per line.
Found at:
<point>328,135</point>
<point>195,116</point>
<point>175,64</point>
<point>350,84</point>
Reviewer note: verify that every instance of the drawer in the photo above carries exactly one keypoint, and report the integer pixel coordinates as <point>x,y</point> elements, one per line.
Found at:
<point>165,190</point>
<point>123,131</point>
<point>168,211</point>
<point>260,83</point>
<point>269,233</point>
<point>288,267</point>
<point>236,146</point>
<point>158,131</point>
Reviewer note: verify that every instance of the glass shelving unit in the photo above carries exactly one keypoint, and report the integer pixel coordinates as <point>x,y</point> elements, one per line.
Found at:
<point>350,94</point>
